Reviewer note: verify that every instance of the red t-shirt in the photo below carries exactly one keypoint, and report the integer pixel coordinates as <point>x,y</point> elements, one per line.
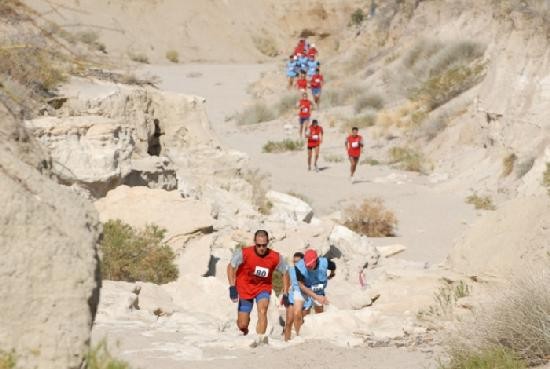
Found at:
<point>301,84</point>
<point>255,273</point>
<point>312,51</point>
<point>316,80</point>
<point>354,145</point>
<point>305,108</point>
<point>314,138</point>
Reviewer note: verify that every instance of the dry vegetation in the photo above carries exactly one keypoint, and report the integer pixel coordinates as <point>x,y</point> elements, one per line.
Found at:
<point>480,202</point>
<point>286,103</point>
<point>371,218</point>
<point>7,360</point>
<point>333,158</point>
<point>266,45</point>
<point>256,113</point>
<point>260,184</point>
<point>508,164</point>
<point>514,323</point>
<point>91,39</point>
<point>300,196</point>
<point>99,357</point>
<point>283,146</point>
<point>546,178</point>
<point>407,159</point>
<point>139,58</point>
<point>445,300</point>
<point>173,56</point>
<point>136,255</point>
<point>368,101</point>
<point>359,121</point>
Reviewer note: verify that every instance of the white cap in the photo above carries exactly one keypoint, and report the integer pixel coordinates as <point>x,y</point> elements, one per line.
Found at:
<point>312,45</point>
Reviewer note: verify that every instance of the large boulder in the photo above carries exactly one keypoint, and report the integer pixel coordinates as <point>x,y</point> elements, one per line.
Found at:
<point>139,206</point>
<point>288,208</point>
<point>49,272</point>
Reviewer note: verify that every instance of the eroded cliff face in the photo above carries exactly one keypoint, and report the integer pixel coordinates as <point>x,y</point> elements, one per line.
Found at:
<point>49,267</point>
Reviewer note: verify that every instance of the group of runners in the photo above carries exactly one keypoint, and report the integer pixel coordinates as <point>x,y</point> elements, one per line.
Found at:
<point>250,277</point>
<point>304,73</point>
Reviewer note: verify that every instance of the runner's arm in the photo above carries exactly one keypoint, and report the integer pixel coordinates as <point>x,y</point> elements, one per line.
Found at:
<point>283,268</point>
<point>332,268</point>
<point>308,291</point>
<point>233,265</point>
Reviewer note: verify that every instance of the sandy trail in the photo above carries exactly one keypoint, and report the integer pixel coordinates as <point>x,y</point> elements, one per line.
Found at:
<point>429,219</point>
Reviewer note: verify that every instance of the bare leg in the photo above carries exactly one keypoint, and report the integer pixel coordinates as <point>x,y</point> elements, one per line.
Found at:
<point>298,317</point>
<point>309,150</point>
<point>261,327</point>
<point>289,322</point>
<point>243,319</point>
<point>316,156</point>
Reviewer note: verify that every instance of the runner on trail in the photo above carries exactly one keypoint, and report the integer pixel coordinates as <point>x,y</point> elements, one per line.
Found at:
<point>291,70</point>
<point>304,112</point>
<point>295,303</point>
<point>314,140</point>
<point>316,84</point>
<point>309,273</point>
<point>312,66</point>
<point>354,146</point>
<point>250,274</point>
<point>303,61</point>
<point>301,47</point>
<point>312,50</point>
<point>301,82</point>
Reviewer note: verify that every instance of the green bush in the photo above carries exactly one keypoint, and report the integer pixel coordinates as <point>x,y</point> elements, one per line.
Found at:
<point>492,358</point>
<point>407,159</point>
<point>99,357</point>
<point>480,202</point>
<point>357,17</point>
<point>257,113</point>
<point>283,146</point>
<point>173,56</point>
<point>131,255</point>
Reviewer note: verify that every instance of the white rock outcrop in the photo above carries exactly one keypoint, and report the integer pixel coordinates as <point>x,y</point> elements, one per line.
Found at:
<point>49,269</point>
<point>289,209</point>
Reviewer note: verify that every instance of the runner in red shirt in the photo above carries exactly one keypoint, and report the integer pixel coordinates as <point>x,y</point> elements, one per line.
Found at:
<point>301,82</point>
<point>314,140</point>
<point>354,146</point>
<point>250,274</point>
<point>304,112</point>
<point>312,50</point>
<point>301,47</point>
<point>316,84</point>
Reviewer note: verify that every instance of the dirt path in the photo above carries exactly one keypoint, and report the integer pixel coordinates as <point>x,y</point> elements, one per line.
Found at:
<point>429,219</point>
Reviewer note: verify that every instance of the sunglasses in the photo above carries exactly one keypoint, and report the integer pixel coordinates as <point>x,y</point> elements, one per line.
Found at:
<point>261,245</point>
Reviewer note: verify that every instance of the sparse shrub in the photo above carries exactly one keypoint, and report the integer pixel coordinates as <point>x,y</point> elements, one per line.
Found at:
<point>132,255</point>
<point>481,202</point>
<point>546,178</point>
<point>283,146</point>
<point>372,101</point>
<point>360,121</point>
<point>333,97</point>
<point>173,56</point>
<point>7,360</point>
<point>369,161</point>
<point>445,300</point>
<point>256,113</point>
<point>525,166</point>
<point>287,103</point>
<point>371,218</point>
<point>88,37</point>
<point>407,159</point>
<point>443,87</point>
<point>266,45</point>
<point>333,158</point>
<point>357,17</point>
<point>139,58</point>
<point>491,358</point>
<point>508,164</point>
<point>260,183</point>
<point>307,33</point>
<point>515,319</point>
<point>277,282</point>
<point>99,357</point>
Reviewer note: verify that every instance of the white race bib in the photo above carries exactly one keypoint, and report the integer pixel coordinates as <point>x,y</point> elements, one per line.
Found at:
<point>261,272</point>
<point>317,80</point>
<point>355,144</point>
<point>317,287</point>
<point>305,110</point>
<point>315,137</point>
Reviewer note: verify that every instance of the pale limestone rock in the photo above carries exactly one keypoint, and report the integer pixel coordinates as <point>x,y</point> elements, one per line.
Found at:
<point>390,250</point>
<point>288,208</point>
